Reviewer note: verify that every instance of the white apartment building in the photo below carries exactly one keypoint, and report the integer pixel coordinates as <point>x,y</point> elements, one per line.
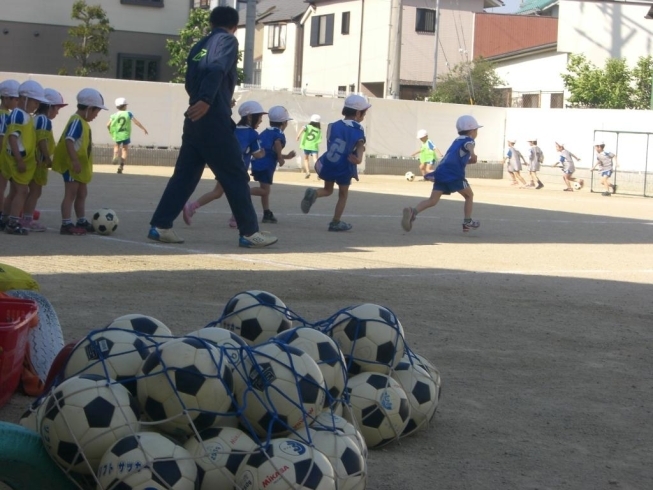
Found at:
<point>32,33</point>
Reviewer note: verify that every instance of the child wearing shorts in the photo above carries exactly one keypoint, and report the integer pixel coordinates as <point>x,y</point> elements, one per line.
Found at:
<point>514,160</point>
<point>428,153</point>
<point>73,158</point>
<point>449,176</point>
<point>535,159</point>
<point>44,150</point>
<point>8,101</point>
<point>605,163</point>
<point>311,137</point>
<point>272,142</point>
<point>345,149</point>
<point>19,148</point>
<point>568,168</point>
<point>120,127</point>
<point>251,116</point>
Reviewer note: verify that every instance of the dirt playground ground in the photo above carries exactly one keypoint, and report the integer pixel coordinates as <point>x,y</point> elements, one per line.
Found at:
<point>541,322</point>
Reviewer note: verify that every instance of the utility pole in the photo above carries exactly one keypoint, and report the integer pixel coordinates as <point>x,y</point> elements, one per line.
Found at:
<point>394,68</point>
<point>250,32</point>
<point>437,44</point>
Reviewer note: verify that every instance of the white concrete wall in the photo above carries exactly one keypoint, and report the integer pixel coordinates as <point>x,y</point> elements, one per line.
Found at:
<point>534,73</point>
<point>279,65</point>
<point>602,30</point>
<point>327,67</point>
<point>167,20</point>
<point>391,125</point>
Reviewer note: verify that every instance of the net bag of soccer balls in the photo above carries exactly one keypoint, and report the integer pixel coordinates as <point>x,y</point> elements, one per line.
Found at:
<point>257,399</point>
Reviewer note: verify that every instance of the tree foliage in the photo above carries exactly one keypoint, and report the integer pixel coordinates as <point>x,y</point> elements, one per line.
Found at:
<point>195,29</point>
<point>615,86</point>
<point>88,42</point>
<point>470,82</point>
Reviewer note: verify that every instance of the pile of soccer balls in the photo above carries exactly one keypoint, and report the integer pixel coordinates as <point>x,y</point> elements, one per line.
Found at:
<point>247,402</point>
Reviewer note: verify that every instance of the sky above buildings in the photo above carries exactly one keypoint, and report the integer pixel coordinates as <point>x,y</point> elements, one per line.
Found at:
<point>511,6</point>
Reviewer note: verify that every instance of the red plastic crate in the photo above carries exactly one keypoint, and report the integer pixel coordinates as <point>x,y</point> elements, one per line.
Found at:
<point>17,316</point>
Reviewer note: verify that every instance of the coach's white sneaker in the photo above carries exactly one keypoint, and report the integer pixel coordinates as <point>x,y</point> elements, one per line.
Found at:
<point>257,240</point>
<point>164,235</point>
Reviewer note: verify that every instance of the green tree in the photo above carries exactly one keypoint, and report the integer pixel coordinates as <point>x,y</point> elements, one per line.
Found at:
<point>88,42</point>
<point>642,80</point>
<point>470,83</point>
<point>195,29</point>
<point>610,87</point>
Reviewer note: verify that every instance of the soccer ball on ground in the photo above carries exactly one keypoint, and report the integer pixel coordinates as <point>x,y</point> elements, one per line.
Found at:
<point>189,381</point>
<point>285,389</point>
<point>324,350</point>
<point>370,337</point>
<point>105,221</point>
<point>286,464</point>
<point>219,452</point>
<point>143,324</point>
<point>577,185</point>
<point>83,417</point>
<point>256,316</point>
<point>422,394</point>
<point>117,354</point>
<point>343,453</point>
<point>147,460</point>
<point>410,176</point>
<point>380,407</point>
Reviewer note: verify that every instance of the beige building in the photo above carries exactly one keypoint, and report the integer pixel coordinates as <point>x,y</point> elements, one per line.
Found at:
<point>32,33</point>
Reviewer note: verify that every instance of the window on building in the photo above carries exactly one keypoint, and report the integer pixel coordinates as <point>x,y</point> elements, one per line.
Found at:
<point>344,27</point>
<point>425,20</point>
<point>138,67</point>
<point>201,4</point>
<point>557,101</point>
<point>144,3</point>
<point>530,100</point>
<point>322,30</point>
<point>277,36</point>
<point>258,69</point>
<point>342,90</point>
<point>352,88</point>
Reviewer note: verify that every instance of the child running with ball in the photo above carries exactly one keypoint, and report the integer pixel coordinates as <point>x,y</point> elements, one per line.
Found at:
<point>450,175</point>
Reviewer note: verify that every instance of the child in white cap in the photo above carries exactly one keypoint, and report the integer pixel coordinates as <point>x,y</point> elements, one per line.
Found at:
<point>251,116</point>
<point>514,159</point>
<point>311,137</point>
<point>535,159</point>
<point>73,158</point>
<point>273,142</point>
<point>605,163</point>
<point>449,176</point>
<point>19,147</point>
<point>568,168</point>
<point>120,127</point>
<point>8,101</point>
<point>45,145</point>
<point>428,153</point>
<point>345,149</point>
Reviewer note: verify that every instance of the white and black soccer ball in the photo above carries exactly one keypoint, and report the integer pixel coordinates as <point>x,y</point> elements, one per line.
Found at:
<point>114,354</point>
<point>105,221</point>
<point>286,464</point>
<point>232,345</point>
<point>285,390</point>
<point>83,417</point>
<point>427,366</point>
<point>343,453</point>
<point>325,351</point>
<point>422,394</point>
<point>380,407</point>
<point>147,461</point>
<point>410,176</point>
<point>331,421</point>
<point>189,381</point>
<point>143,324</point>
<point>256,316</point>
<point>577,185</point>
<point>219,453</point>
<point>370,337</point>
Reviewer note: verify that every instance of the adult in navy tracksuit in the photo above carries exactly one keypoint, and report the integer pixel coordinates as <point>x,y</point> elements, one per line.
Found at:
<point>208,136</point>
